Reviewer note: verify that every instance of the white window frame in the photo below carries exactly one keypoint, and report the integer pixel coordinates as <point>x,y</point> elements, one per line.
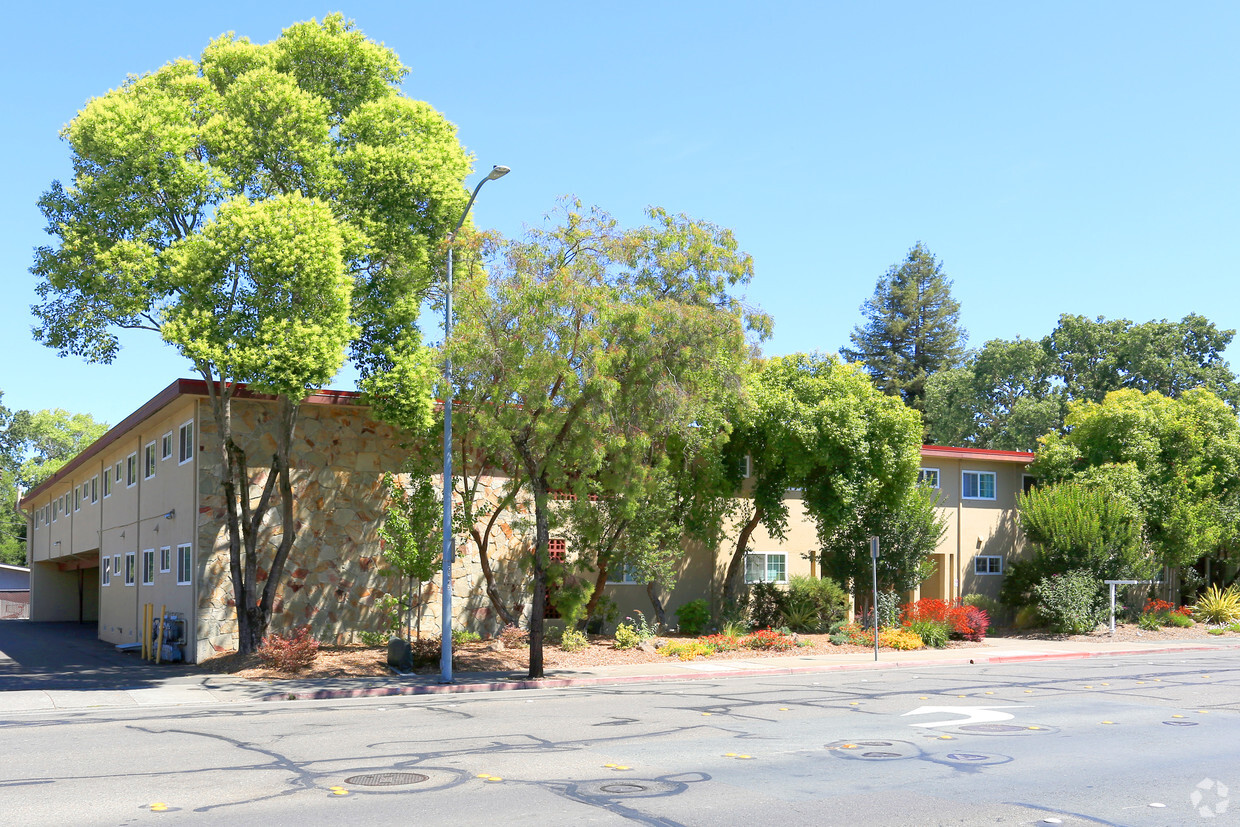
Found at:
<point>77,498</point>
<point>924,472</point>
<point>94,490</point>
<point>131,567</point>
<point>185,561</point>
<point>148,567</point>
<point>131,470</point>
<point>165,447</point>
<point>165,559</point>
<point>116,565</point>
<point>994,485</point>
<point>767,558</point>
<point>185,442</point>
<point>55,509</point>
<point>150,461</point>
<point>119,475</point>
<point>107,483</point>
<point>746,467</point>
<point>105,572</point>
<point>1028,482</point>
<point>990,561</point>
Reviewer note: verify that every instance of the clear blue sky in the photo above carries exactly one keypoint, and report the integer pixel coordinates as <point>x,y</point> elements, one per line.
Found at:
<point>1057,157</point>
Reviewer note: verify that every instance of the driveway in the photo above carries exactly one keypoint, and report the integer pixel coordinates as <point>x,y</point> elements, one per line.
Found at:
<point>71,656</point>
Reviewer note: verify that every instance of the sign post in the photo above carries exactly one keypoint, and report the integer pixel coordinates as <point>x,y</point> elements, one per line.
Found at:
<point>874,568</point>
<point>1114,583</point>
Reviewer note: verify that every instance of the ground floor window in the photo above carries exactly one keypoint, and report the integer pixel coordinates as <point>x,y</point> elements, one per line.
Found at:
<point>987,564</point>
<point>766,567</point>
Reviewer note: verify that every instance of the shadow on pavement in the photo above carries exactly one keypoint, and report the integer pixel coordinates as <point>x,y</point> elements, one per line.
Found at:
<point>71,656</point>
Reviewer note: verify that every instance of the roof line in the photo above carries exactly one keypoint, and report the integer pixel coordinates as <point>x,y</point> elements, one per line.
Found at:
<point>175,390</point>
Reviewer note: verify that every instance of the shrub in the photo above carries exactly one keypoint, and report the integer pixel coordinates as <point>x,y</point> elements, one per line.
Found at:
<point>932,632</point>
<point>888,609</point>
<point>766,606</point>
<point>899,639</point>
<point>936,611</point>
<point>769,640</point>
<point>970,622</point>
<point>513,637</point>
<point>1150,622</point>
<point>687,649</point>
<point>460,636</point>
<point>722,642</point>
<point>853,634</point>
<point>1218,605</point>
<point>735,628</point>
<point>641,625</point>
<point>1069,603</point>
<point>1235,627</point>
<point>1027,617</point>
<point>995,611</point>
<point>426,651</point>
<point>694,616</point>
<point>289,654</point>
<point>573,640</point>
<point>1183,621</point>
<point>812,604</point>
<point>627,637</point>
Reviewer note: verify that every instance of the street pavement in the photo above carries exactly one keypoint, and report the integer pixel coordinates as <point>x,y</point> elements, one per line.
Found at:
<point>63,667</point>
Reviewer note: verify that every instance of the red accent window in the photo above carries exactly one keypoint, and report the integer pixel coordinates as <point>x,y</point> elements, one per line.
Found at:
<point>557,550</point>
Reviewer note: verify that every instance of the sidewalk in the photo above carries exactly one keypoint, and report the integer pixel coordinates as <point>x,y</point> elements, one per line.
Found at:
<point>215,689</point>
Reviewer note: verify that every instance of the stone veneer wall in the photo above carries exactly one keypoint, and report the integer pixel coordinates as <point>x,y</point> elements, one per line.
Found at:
<point>332,579</point>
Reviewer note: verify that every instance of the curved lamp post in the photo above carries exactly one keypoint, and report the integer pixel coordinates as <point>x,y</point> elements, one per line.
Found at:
<point>449,548</point>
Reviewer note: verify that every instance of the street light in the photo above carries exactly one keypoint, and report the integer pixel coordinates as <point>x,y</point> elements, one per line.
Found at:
<point>449,550</point>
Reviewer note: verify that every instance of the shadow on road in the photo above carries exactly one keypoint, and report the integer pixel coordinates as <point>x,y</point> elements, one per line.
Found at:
<point>70,656</point>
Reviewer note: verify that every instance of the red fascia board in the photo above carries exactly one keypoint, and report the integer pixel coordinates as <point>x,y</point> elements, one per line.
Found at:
<point>178,388</point>
<point>947,452</point>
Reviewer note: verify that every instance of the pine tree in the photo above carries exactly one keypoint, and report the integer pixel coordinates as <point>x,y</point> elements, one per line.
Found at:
<point>912,328</point>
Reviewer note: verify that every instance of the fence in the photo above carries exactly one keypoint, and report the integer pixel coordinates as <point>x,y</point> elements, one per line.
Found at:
<point>15,605</point>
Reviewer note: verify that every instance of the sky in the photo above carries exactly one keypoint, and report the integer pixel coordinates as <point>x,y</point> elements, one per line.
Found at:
<point>1058,157</point>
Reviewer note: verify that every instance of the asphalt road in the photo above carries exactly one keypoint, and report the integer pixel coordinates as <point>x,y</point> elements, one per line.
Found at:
<point>1151,741</point>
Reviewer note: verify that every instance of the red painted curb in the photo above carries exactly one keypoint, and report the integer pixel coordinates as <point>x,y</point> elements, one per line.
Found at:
<point>559,683</point>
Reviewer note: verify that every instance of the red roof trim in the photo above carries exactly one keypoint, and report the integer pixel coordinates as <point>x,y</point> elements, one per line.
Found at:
<point>178,388</point>
<point>948,452</point>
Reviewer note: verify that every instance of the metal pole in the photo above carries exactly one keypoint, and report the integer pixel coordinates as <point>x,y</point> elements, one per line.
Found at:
<point>449,546</point>
<point>874,569</point>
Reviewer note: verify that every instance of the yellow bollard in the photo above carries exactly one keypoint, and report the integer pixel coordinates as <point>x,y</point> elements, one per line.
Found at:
<point>159,645</point>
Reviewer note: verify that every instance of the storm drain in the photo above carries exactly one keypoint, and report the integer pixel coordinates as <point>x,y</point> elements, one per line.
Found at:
<point>386,779</point>
<point>1180,723</point>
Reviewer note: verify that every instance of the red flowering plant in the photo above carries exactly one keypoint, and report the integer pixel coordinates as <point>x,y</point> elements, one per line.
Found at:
<point>721,642</point>
<point>937,620</point>
<point>768,639</point>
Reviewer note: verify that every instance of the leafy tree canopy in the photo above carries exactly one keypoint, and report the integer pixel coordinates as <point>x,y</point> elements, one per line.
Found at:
<point>583,347</point>
<point>912,328</point>
<point>1178,460</point>
<point>191,150</point>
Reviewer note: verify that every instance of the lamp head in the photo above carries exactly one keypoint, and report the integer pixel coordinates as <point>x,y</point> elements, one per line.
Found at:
<point>497,171</point>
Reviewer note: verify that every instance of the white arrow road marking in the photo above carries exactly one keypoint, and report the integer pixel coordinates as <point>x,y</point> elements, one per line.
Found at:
<point>973,714</point>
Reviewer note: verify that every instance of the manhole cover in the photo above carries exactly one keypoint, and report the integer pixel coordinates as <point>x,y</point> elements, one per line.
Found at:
<point>620,789</point>
<point>386,779</point>
<point>1180,723</point>
<point>880,755</point>
<point>873,743</point>
<point>992,728</point>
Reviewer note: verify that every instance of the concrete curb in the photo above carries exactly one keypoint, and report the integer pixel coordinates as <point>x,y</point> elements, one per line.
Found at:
<point>560,683</point>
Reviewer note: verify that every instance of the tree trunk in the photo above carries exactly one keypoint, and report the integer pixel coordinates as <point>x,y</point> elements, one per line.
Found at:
<point>732,580</point>
<point>542,537</point>
<point>660,611</point>
<point>482,540</point>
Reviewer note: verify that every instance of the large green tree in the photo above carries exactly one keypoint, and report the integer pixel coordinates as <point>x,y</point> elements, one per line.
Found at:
<point>1178,460</point>
<point>1004,397</point>
<point>1010,392</point>
<point>262,208</point>
<point>589,337</point>
<point>814,423</point>
<point>33,446</point>
<point>911,329</point>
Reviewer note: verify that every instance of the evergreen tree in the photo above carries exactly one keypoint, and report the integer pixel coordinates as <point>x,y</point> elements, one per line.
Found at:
<point>912,328</point>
